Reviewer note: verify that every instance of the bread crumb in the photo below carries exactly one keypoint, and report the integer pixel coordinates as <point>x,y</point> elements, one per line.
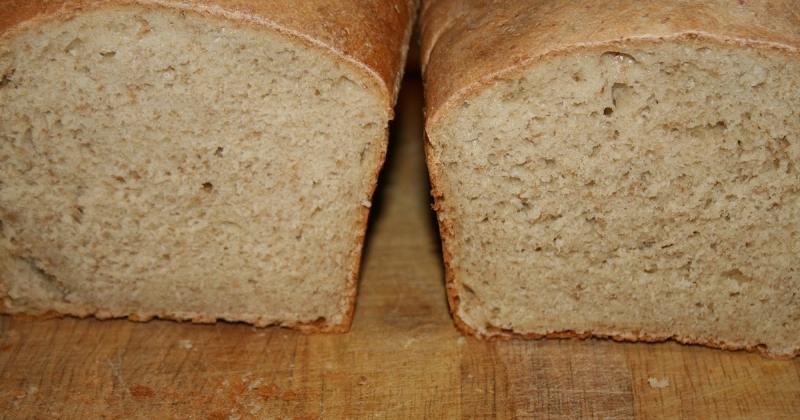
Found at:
<point>461,341</point>
<point>255,384</point>
<point>185,344</point>
<point>367,204</point>
<point>658,383</point>
<point>19,394</point>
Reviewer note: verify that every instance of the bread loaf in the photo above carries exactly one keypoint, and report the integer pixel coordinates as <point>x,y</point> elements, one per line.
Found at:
<point>626,169</point>
<point>193,160</point>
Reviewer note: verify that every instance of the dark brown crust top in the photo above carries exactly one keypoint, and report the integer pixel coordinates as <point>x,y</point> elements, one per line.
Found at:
<point>467,43</point>
<point>370,34</point>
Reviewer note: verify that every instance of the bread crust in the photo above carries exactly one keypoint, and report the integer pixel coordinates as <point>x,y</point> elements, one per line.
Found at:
<point>371,37</point>
<point>469,45</point>
<point>314,327</point>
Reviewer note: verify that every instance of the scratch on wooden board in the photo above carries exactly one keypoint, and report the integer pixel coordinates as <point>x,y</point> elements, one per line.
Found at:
<point>116,374</point>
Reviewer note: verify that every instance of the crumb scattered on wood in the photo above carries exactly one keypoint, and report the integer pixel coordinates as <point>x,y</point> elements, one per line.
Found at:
<point>658,383</point>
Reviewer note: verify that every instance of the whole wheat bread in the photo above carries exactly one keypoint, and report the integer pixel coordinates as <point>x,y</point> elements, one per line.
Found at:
<point>205,160</point>
<point>625,169</point>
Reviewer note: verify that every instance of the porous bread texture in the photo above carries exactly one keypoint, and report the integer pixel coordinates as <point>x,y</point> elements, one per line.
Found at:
<point>641,190</point>
<point>158,163</point>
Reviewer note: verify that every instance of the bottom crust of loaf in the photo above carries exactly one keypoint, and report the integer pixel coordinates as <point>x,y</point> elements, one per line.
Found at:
<point>315,327</point>
<point>632,336</point>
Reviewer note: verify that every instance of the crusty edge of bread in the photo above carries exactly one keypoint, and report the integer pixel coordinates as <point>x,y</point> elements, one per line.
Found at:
<point>446,227</point>
<point>472,88</point>
<point>351,288</point>
<point>33,12</point>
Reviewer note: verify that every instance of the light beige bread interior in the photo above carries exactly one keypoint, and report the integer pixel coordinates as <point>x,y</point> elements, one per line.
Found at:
<point>640,188</point>
<point>159,162</point>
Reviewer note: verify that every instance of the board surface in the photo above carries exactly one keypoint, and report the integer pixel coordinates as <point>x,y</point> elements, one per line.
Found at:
<point>402,359</point>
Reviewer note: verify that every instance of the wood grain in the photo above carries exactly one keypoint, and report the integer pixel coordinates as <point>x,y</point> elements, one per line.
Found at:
<point>402,359</point>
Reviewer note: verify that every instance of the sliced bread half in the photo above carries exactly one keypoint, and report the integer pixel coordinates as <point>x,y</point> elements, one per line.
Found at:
<point>625,169</point>
<point>206,160</point>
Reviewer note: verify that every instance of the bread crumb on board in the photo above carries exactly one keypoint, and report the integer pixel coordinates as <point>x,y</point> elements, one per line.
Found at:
<point>658,383</point>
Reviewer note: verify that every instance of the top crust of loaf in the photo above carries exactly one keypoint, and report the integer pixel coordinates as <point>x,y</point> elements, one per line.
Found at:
<point>371,35</point>
<point>468,43</point>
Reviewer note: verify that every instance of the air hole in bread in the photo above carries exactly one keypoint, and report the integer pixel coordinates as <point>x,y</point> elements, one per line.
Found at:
<point>6,79</point>
<point>73,46</point>
<point>616,57</point>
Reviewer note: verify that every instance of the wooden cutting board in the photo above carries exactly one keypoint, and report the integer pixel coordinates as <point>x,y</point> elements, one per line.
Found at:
<point>402,359</point>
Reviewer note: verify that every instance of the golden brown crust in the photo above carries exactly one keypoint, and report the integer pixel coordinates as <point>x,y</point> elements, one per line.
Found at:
<point>352,285</point>
<point>468,44</point>
<point>501,334</point>
<point>372,35</point>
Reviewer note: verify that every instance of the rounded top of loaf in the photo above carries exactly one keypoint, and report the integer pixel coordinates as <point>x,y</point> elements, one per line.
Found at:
<point>468,43</point>
<point>372,35</point>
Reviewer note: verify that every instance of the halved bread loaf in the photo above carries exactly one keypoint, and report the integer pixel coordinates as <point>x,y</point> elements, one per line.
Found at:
<point>625,169</point>
<point>198,161</point>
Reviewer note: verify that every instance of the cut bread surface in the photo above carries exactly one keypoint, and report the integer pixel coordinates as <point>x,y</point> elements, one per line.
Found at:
<point>639,189</point>
<point>165,163</point>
